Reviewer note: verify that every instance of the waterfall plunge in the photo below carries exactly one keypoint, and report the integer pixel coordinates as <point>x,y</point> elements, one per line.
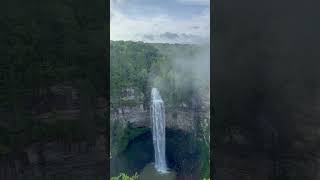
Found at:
<point>158,130</point>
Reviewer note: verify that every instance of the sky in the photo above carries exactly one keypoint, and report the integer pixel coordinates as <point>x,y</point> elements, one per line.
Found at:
<point>163,21</point>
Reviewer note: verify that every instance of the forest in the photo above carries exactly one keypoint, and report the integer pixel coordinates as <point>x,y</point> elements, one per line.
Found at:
<point>139,65</point>
<point>180,73</point>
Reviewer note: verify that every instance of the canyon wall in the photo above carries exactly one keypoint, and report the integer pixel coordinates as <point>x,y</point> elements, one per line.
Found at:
<point>180,119</point>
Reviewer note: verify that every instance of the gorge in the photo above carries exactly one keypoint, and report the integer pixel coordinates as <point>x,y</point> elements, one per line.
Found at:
<point>139,136</point>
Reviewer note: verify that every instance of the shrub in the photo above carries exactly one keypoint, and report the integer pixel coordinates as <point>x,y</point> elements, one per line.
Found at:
<point>124,176</point>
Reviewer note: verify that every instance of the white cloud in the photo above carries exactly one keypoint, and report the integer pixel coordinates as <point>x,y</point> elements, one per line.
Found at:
<point>124,27</point>
<point>196,2</point>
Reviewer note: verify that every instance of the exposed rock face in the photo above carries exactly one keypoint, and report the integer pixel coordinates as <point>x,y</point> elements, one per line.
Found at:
<point>182,119</point>
<point>140,118</point>
<point>56,160</point>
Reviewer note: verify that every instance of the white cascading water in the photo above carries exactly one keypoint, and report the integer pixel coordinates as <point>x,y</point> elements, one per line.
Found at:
<point>158,130</point>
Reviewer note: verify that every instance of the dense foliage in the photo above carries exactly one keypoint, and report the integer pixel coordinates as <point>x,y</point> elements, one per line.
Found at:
<point>124,176</point>
<point>130,68</point>
<point>121,135</point>
<point>141,65</point>
<point>173,69</point>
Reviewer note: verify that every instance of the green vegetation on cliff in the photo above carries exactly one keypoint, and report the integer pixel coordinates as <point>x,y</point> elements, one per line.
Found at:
<point>180,72</point>
<point>121,135</point>
<point>124,176</point>
<point>139,65</point>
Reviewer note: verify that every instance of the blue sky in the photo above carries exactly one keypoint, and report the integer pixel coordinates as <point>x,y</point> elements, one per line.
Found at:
<point>170,21</point>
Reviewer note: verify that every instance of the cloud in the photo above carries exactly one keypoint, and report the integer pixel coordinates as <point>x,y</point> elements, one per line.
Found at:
<point>148,37</point>
<point>112,2</point>
<point>169,35</point>
<point>195,2</point>
<point>173,38</point>
<point>158,27</point>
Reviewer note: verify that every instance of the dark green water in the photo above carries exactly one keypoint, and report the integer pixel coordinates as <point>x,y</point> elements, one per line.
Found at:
<point>138,153</point>
<point>150,172</point>
<point>183,157</point>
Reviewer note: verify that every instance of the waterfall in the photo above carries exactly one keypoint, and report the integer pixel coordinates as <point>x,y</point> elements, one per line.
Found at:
<point>158,130</point>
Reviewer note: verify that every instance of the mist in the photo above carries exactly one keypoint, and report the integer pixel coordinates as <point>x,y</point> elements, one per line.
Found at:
<point>198,66</point>
<point>184,74</point>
